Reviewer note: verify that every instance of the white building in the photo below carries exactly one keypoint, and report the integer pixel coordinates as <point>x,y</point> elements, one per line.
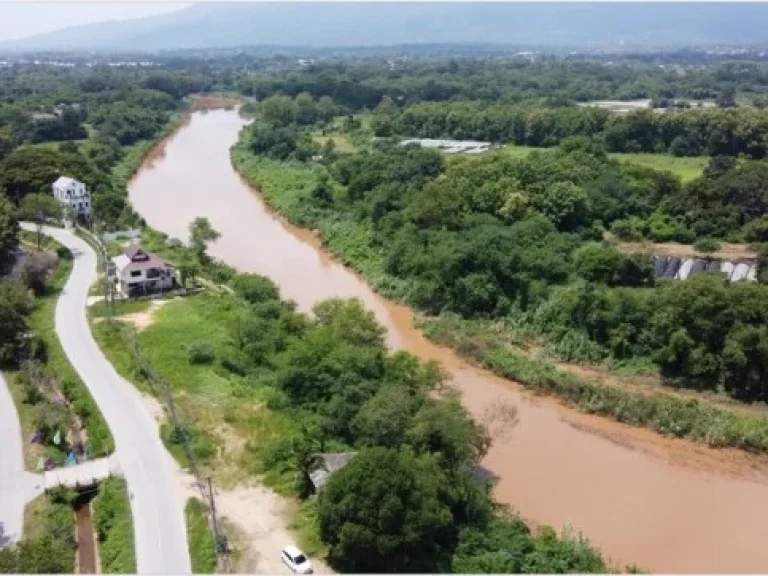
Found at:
<point>140,272</point>
<point>72,193</point>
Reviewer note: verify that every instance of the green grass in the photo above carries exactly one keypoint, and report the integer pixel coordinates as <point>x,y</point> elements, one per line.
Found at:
<point>114,527</point>
<point>519,151</point>
<point>343,144</point>
<point>121,308</point>
<point>686,169</point>
<point>202,547</point>
<point>224,413</point>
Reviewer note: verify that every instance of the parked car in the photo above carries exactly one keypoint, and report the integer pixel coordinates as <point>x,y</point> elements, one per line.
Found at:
<point>296,560</point>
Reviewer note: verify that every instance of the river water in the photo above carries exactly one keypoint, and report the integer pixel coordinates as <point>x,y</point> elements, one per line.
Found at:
<point>665,505</point>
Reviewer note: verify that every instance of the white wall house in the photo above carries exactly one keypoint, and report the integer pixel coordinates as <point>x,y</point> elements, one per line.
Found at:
<point>72,193</point>
<point>139,272</point>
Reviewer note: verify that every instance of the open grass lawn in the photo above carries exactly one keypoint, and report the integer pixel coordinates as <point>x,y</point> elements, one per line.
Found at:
<point>342,143</point>
<point>686,169</point>
<point>225,413</point>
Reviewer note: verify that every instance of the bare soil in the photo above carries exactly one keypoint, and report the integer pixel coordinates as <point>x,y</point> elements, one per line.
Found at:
<point>730,252</point>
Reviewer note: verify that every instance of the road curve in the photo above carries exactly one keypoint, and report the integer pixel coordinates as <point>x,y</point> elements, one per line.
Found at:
<point>158,517</point>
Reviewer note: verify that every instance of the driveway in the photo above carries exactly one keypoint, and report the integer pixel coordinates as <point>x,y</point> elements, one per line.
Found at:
<point>158,517</point>
<point>17,487</point>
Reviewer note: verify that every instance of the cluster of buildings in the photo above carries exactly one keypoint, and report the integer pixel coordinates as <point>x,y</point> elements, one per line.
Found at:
<point>450,146</point>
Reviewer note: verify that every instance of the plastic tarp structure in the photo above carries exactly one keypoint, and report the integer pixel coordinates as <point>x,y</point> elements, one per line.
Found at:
<point>683,268</point>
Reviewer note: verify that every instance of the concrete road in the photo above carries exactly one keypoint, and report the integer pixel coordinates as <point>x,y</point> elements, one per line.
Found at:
<point>16,486</point>
<point>158,517</point>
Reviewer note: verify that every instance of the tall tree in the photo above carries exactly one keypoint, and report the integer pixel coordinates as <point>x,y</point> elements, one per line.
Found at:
<point>201,233</point>
<point>9,234</point>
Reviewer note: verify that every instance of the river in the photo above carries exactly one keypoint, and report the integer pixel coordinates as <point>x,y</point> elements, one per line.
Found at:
<point>665,505</point>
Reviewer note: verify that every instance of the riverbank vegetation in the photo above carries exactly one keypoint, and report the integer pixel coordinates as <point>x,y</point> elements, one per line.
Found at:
<point>49,545</point>
<point>506,241</point>
<point>113,525</point>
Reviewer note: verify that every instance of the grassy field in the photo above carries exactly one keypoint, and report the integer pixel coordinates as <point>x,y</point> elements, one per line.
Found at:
<point>686,169</point>
<point>202,548</point>
<point>342,143</point>
<point>225,414</point>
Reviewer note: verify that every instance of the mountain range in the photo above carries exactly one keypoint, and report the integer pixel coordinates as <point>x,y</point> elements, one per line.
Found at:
<point>345,24</point>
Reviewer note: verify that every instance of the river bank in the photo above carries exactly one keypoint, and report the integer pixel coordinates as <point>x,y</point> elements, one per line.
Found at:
<point>559,466</point>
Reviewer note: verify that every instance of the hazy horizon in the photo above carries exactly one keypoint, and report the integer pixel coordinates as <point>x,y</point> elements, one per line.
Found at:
<point>21,20</point>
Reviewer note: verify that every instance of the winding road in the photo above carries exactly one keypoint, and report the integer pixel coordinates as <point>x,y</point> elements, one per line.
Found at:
<point>158,516</point>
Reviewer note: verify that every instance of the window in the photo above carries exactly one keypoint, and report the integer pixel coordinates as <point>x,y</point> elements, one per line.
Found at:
<point>300,559</point>
<point>135,273</point>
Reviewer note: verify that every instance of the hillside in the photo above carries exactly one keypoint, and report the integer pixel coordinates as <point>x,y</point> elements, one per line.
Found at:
<point>349,24</point>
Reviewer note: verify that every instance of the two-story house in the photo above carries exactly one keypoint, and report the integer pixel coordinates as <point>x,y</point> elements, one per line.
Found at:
<point>73,194</point>
<point>139,272</point>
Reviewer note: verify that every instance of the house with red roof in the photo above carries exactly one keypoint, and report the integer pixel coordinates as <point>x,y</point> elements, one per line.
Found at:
<point>140,273</point>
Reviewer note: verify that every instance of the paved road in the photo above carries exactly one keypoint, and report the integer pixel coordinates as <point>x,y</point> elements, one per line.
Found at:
<point>158,516</point>
<point>16,486</point>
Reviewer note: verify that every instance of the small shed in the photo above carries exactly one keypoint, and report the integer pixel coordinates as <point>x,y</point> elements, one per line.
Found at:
<point>329,463</point>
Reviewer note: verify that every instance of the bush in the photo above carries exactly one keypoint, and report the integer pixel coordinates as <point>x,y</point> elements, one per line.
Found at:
<point>707,245</point>
<point>201,352</point>
<point>255,288</point>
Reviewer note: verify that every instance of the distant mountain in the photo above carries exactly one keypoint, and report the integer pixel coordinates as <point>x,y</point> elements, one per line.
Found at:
<point>378,24</point>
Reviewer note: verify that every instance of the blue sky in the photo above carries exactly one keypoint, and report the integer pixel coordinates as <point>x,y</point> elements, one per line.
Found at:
<point>27,18</point>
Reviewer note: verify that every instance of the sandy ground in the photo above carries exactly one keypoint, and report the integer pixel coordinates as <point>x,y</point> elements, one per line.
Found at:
<point>142,320</point>
<point>258,515</point>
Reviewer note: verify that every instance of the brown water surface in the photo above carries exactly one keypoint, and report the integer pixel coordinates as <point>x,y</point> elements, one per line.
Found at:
<point>666,505</point>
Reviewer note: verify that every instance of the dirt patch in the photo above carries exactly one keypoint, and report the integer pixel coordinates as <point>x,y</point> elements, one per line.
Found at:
<point>142,320</point>
<point>259,517</point>
<point>728,252</point>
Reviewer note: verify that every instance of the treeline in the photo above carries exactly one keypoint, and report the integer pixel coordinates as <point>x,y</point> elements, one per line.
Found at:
<point>692,132</point>
<point>363,82</point>
<point>411,499</point>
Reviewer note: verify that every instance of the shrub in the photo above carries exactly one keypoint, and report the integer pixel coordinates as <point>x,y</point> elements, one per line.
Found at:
<point>201,352</point>
<point>707,245</point>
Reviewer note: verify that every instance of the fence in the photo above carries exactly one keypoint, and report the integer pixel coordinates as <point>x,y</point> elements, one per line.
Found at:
<point>163,388</point>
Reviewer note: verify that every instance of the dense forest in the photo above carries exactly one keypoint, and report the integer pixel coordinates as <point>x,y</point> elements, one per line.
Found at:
<point>497,236</point>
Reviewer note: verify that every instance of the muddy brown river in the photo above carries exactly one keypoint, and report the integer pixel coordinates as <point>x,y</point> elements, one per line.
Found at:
<point>666,505</point>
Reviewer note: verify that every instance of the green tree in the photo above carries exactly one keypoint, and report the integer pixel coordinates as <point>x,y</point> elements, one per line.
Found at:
<point>383,512</point>
<point>40,209</point>
<point>255,288</point>
<point>15,304</point>
<point>201,233</point>
<point>9,235</point>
